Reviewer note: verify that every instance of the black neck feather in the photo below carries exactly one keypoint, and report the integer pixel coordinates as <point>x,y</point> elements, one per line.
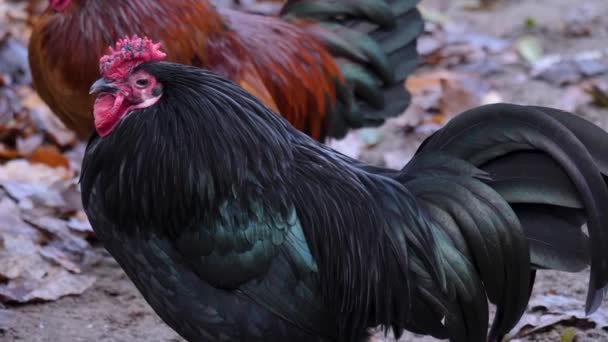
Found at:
<point>165,174</point>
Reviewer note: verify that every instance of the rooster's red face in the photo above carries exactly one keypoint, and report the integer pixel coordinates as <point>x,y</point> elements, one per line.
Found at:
<point>117,98</point>
<point>59,5</point>
<point>123,88</point>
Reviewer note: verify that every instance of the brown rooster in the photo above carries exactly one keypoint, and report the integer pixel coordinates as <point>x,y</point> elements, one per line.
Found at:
<point>326,65</point>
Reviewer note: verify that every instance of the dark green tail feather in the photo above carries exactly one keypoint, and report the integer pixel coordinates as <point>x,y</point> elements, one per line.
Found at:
<point>374,42</point>
<point>486,232</point>
<point>549,166</point>
<point>555,242</point>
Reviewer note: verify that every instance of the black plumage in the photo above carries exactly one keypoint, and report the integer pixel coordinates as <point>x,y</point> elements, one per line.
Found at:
<point>237,227</point>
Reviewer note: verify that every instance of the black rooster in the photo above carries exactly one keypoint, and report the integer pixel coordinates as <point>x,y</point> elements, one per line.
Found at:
<point>237,227</point>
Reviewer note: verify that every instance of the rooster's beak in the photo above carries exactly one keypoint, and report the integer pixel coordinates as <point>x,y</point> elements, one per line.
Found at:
<point>103,85</point>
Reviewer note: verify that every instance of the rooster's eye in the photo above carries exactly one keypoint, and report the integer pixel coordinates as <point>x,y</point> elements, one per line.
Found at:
<point>142,82</point>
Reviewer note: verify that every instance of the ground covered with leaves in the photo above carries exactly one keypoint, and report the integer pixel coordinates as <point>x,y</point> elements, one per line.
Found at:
<point>58,284</point>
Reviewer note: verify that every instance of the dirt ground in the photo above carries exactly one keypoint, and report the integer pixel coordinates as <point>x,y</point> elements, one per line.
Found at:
<point>114,311</point>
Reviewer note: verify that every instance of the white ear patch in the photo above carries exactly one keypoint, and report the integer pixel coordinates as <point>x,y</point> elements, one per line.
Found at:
<point>148,102</point>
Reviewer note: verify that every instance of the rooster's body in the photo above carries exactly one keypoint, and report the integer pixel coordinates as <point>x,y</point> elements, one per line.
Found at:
<point>324,65</point>
<point>237,227</point>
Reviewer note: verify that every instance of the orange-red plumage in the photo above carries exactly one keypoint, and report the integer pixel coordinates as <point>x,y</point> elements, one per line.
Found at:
<point>282,63</point>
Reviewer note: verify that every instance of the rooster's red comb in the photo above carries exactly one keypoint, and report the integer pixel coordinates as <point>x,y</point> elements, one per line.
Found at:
<point>128,53</point>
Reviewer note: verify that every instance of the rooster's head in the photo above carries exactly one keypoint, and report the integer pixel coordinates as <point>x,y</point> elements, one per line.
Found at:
<point>123,86</point>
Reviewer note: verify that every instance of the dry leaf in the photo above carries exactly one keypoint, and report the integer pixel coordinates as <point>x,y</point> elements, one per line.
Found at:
<point>530,49</point>
<point>397,159</point>
<point>40,255</point>
<point>80,225</point>
<point>27,145</point>
<point>55,129</point>
<point>561,73</point>
<point>350,145</point>
<point>581,20</point>
<point>11,222</point>
<point>19,257</point>
<point>35,192</point>
<point>53,285</point>
<point>13,61</point>
<point>23,171</point>
<point>7,152</point>
<point>547,311</point>
<point>49,155</point>
<point>446,93</point>
<point>599,93</point>
<point>560,70</point>
<point>59,228</point>
<point>61,258</point>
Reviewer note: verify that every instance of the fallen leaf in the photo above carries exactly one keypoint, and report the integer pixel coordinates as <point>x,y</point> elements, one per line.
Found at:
<point>561,73</point>
<point>569,335</point>
<point>454,44</point>
<point>397,159</point>
<point>546,311</point>
<point>433,16</point>
<point>50,123</point>
<point>446,93</point>
<point>36,192</point>
<point>39,256</point>
<point>350,145</point>
<point>573,97</point>
<point>581,20</point>
<point>20,257</point>
<point>13,61</point>
<point>80,225</point>
<point>58,256</point>
<point>480,5</point>
<point>53,285</point>
<point>460,34</point>
<point>49,155</point>
<point>7,152</point>
<point>370,136</point>
<point>12,223</point>
<point>598,92</point>
<point>428,45</point>
<point>70,193</point>
<point>27,145</point>
<point>491,97</point>
<point>530,23</point>
<point>20,170</point>
<point>59,228</point>
<point>592,66</point>
<point>560,70</point>
<point>530,49</point>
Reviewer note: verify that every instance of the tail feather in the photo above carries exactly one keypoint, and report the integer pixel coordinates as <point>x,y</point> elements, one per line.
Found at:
<point>548,206</point>
<point>324,10</point>
<point>532,177</point>
<point>549,169</point>
<point>485,228</point>
<point>490,132</point>
<point>470,308</point>
<point>374,42</point>
<point>555,237</point>
<point>594,138</point>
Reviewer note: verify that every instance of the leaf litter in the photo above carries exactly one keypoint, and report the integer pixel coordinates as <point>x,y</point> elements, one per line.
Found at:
<point>44,235</point>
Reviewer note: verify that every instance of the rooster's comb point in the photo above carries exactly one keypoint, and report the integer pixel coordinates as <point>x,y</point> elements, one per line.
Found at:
<point>128,53</point>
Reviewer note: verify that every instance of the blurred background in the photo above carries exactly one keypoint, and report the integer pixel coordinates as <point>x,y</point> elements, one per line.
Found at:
<point>57,283</point>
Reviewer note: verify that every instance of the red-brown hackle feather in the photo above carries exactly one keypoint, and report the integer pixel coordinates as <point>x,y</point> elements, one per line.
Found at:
<point>129,53</point>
